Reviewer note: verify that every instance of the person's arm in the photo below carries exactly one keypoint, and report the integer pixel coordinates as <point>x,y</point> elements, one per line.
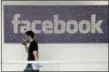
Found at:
<point>36,66</point>
<point>35,53</point>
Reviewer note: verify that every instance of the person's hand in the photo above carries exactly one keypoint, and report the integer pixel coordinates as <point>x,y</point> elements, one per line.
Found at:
<point>24,42</point>
<point>36,66</point>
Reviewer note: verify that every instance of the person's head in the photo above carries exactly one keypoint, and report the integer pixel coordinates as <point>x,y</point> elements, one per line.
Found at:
<point>29,35</point>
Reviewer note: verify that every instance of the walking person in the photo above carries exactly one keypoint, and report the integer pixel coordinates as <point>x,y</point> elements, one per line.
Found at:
<point>32,50</point>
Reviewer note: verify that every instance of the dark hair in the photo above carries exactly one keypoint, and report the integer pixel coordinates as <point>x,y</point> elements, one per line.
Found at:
<point>30,33</point>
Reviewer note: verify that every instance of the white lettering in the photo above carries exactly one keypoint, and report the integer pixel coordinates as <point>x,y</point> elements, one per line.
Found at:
<point>95,26</point>
<point>57,26</point>
<point>84,26</point>
<point>33,26</point>
<point>25,27</point>
<point>15,22</point>
<point>75,26</point>
<point>47,27</point>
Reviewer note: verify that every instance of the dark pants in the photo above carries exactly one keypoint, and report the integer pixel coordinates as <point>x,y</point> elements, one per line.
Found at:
<point>30,69</point>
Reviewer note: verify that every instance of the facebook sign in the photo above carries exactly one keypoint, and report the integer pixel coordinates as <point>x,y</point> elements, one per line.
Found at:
<point>57,24</point>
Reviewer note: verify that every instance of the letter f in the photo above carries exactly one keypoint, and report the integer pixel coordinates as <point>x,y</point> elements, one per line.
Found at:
<point>15,22</point>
